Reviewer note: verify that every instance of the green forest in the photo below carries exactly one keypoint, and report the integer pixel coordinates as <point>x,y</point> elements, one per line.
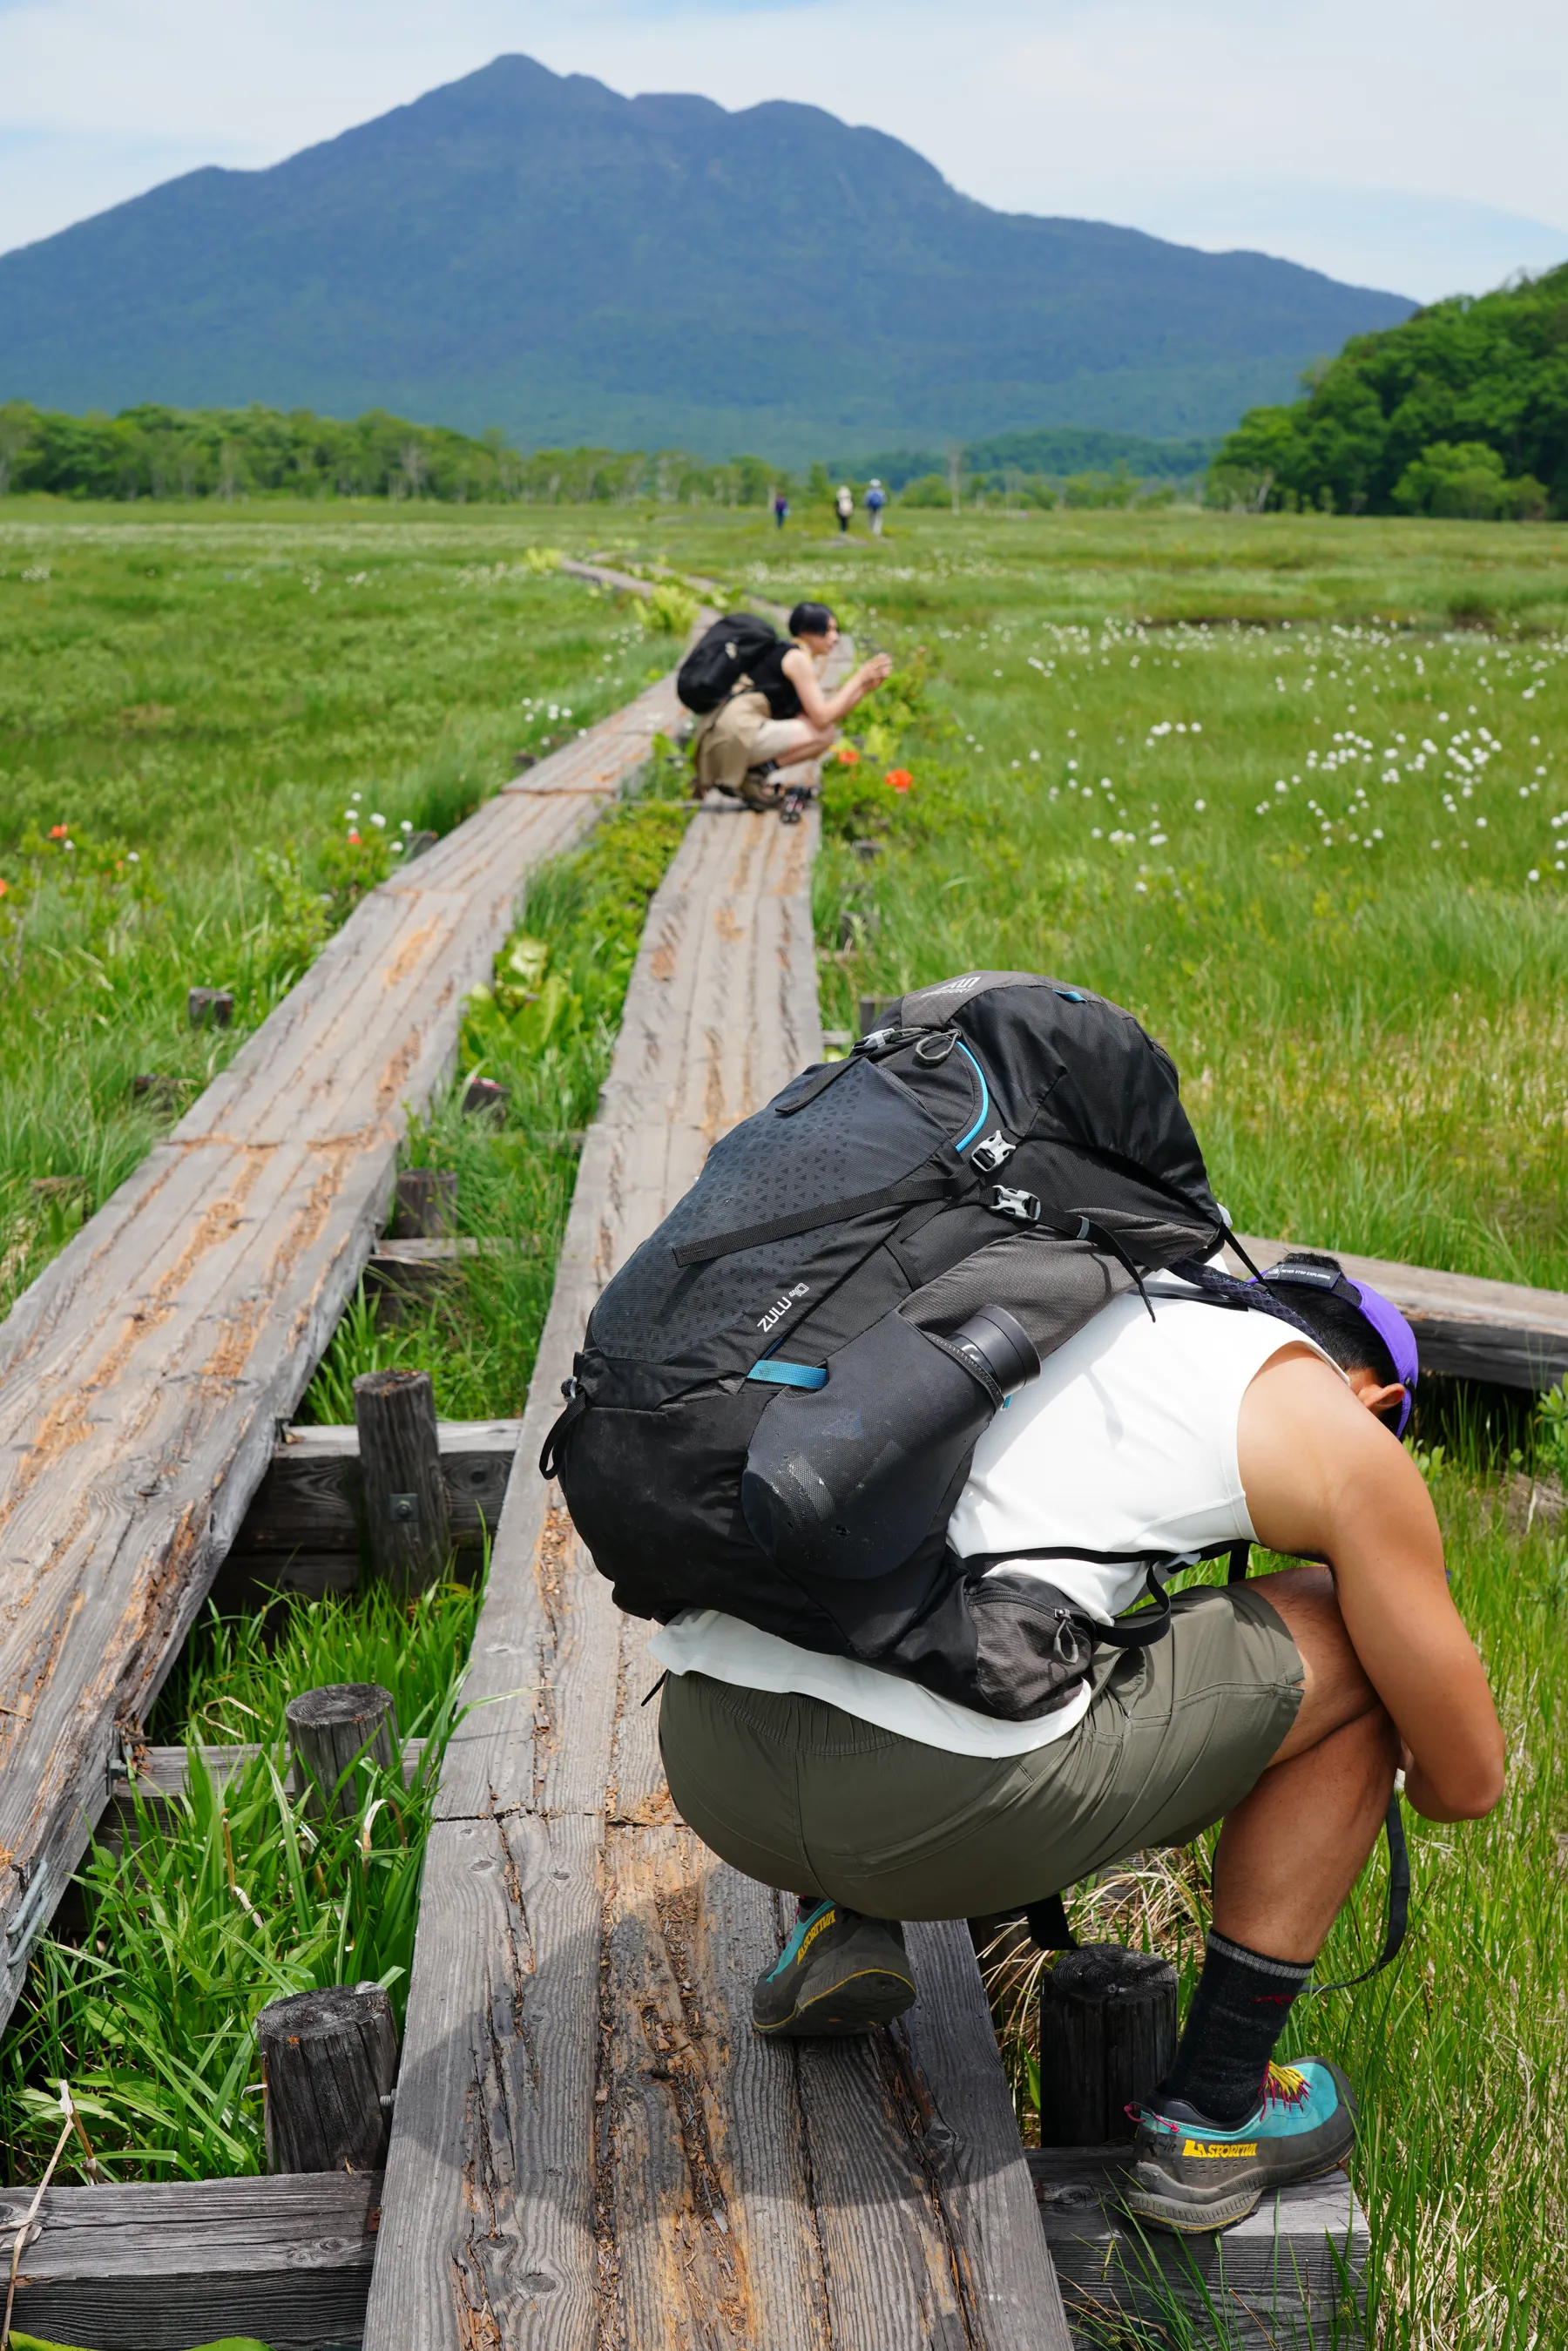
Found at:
<point>154,452</point>
<point>157,452</point>
<point>1461,410</point>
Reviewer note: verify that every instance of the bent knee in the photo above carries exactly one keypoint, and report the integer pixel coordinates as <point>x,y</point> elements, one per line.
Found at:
<point>1305,1599</point>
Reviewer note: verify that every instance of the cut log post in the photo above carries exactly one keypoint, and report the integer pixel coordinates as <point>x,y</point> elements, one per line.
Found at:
<point>328,1730</point>
<point>484,1096</point>
<point>1107,2036</point>
<point>415,845</point>
<point>328,2060</point>
<point>210,1007</point>
<point>872,1010</point>
<point>426,1209</point>
<point>408,1526</point>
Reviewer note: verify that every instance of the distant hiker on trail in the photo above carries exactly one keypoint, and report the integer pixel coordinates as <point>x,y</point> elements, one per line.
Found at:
<point>876,499</point>
<point>844,505</point>
<point>781,508</point>
<point>763,702</point>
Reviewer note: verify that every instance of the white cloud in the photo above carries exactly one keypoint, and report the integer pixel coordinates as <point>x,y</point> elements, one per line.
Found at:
<point>1385,144</point>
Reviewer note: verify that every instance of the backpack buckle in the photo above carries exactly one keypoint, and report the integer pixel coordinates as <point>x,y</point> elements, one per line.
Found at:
<point>1008,1201</point>
<point>993,1151</point>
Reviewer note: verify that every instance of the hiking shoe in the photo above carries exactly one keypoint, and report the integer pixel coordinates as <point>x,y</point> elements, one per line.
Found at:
<point>761,787</point>
<point>838,1973</point>
<point>1189,2174</point>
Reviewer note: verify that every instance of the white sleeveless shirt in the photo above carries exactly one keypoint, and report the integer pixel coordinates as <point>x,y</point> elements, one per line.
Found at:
<point>1127,1443</point>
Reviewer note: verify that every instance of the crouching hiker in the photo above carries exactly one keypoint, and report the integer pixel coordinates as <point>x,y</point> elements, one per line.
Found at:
<point>1281,1706</point>
<point>907,1675</point>
<point>762,702</point>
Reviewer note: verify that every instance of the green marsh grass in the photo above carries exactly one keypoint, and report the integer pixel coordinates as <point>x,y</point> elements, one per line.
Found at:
<point>231,1899</point>
<point>237,1901</point>
<point>228,1897</point>
<point>200,703</point>
<point>1371,1041</point>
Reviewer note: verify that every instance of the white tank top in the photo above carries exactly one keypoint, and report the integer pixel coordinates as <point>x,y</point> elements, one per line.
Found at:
<point>1125,1444</point>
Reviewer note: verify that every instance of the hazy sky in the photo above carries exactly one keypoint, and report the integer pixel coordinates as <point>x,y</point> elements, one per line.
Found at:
<point>1415,147</point>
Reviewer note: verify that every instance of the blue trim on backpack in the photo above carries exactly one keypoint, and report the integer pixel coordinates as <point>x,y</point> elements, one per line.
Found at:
<point>985,1098</point>
<point>788,1376</point>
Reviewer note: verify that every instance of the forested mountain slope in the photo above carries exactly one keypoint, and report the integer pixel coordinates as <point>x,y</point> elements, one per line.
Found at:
<point>534,252</point>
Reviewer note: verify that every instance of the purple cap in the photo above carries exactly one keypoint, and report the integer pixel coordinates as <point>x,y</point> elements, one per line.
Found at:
<point>1379,1312</point>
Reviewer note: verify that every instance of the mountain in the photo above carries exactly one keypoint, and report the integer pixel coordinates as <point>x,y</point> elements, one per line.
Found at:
<point>536,252</point>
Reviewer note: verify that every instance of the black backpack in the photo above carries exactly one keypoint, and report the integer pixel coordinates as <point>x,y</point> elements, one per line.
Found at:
<point>778,1395</point>
<point>717,661</point>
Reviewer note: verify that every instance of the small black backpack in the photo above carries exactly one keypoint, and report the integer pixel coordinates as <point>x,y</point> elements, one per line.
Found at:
<point>780,1394</point>
<point>717,661</point>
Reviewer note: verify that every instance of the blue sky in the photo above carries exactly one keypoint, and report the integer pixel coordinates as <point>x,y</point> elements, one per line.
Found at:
<point>1414,147</point>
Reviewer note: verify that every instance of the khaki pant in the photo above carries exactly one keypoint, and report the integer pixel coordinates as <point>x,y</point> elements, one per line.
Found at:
<point>741,733</point>
<point>805,1797</point>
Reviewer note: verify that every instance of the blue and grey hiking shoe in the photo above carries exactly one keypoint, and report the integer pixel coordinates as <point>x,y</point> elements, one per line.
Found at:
<point>1187,2174</point>
<point>838,1973</point>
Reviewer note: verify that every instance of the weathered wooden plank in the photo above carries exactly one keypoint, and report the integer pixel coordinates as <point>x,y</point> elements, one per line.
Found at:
<point>307,1496</point>
<point>496,2235</point>
<point>589,2144</point>
<point>160,1774</point>
<point>1276,2278</point>
<point>157,2267</point>
<point>1469,1328</point>
<point>142,1376</point>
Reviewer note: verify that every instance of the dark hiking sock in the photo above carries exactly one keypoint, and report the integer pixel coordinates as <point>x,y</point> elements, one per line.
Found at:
<point>1237,2015</point>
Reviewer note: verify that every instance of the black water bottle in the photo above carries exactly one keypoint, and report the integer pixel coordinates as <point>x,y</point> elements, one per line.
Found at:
<point>847,1478</point>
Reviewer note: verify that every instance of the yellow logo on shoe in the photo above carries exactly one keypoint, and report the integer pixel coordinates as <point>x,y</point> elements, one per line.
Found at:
<point>1234,2147</point>
<point>828,1919</point>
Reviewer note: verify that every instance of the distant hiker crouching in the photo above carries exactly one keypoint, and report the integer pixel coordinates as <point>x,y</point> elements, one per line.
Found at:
<point>776,714</point>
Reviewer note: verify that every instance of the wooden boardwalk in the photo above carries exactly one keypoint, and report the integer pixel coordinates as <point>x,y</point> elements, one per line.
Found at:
<point>143,1375</point>
<point>1465,1327</point>
<point>590,2149</point>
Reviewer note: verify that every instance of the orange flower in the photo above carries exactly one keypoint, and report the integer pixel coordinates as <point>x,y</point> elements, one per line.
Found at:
<point>5,885</point>
<point>848,756</point>
<point>899,778</point>
<point>58,831</point>
<point>355,839</point>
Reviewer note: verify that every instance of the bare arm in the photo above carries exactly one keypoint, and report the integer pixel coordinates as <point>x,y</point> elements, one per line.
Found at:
<point>1325,1480</point>
<point>825,710</point>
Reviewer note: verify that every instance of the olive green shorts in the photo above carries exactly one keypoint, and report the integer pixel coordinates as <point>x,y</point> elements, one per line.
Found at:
<point>805,1797</point>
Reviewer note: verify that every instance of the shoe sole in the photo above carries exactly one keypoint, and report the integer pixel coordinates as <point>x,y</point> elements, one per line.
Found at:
<point>1187,2219</point>
<point>857,2004</point>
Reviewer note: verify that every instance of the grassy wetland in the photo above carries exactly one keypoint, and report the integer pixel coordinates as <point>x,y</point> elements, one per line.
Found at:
<point>1294,789</point>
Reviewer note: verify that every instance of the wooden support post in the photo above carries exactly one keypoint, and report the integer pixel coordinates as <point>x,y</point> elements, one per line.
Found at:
<point>415,845</point>
<point>209,1007</point>
<point>486,1095</point>
<point>426,1209</point>
<point>328,1730</point>
<point>407,1522</point>
<point>1107,2036</point>
<point>328,2060</point>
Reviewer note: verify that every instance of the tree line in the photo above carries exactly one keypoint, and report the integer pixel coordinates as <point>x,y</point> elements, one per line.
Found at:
<point>152,452</point>
<point>1462,410</point>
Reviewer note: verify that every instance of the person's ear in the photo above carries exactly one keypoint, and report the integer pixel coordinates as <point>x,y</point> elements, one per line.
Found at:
<point>1378,1399</point>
